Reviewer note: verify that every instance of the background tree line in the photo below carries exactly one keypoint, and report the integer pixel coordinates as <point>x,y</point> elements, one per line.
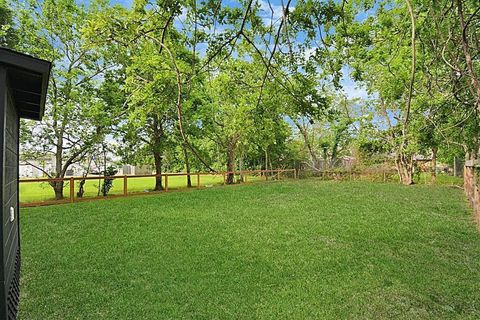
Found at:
<point>189,85</point>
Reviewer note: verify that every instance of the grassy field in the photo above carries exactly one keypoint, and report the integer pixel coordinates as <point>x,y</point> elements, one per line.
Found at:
<point>303,249</point>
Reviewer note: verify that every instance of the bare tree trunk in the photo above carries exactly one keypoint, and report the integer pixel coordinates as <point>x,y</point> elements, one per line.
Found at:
<point>434,165</point>
<point>306,140</point>
<point>157,150</point>
<point>240,164</point>
<point>404,166</point>
<point>187,165</point>
<point>158,170</point>
<point>469,176</point>
<point>58,185</point>
<point>81,188</point>
<point>231,148</point>
<point>266,163</point>
<point>58,189</point>
<point>405,163</point>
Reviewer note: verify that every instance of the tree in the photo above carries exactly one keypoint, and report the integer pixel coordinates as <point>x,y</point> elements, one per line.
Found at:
<point>75,118</point>
<point>377,48</point>
<point>229,119</point>
<point>8,33</point>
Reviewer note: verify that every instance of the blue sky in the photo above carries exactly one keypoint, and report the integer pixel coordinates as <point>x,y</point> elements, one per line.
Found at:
<point>126,3</point>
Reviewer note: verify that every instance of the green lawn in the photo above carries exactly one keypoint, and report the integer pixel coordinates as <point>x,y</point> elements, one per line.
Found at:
<point>303,249</point>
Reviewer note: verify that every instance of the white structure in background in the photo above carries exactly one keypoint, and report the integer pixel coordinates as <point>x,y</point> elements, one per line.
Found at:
<point>135,170</point>
<point>33,171</point>
<point>45,165</point>
<point>77,170</point>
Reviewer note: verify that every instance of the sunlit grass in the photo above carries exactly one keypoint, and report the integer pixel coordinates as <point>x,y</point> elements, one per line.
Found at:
<point>303,249</point>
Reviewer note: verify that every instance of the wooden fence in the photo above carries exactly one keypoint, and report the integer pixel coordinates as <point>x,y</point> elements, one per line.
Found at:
<point>170,181</point>
<point>471,187</point>
<point>241,176</point>
<point>367,174</point>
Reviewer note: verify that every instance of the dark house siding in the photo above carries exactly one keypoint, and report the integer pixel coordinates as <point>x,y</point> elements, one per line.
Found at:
<point>9,131</point>
<point>10,180</point>
<point>23,92</point>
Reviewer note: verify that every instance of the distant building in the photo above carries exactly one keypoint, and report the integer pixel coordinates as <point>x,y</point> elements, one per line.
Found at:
<point>37,168</point>
<point>135,170</point>
<point>345,162</point>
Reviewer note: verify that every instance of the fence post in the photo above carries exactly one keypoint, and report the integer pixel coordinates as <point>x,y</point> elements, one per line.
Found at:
<point>198,180</point>
<point>72,189</point>
<point>166,182</point>
<point>125,186</point>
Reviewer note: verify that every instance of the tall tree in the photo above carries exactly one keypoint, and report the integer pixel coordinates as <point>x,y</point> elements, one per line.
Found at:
<point>75,117</point>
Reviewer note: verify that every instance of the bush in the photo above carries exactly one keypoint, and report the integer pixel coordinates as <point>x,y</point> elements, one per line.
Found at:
<point>108,183</point>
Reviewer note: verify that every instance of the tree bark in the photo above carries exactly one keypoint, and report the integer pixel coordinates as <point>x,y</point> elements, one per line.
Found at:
<point>58,189</point>
<point>404,166</point>
<point>306,140</point>
<point>240,164</point>
<point>434,165</point>
<point>81,189</point>
<point>58,185</point>
<point>404,162</point>
<point>469,177</point>
<point>187,165</point>
<point>158,170</point>
<point>157,149</point>
<point>231,148</point>
<point>266,163</point>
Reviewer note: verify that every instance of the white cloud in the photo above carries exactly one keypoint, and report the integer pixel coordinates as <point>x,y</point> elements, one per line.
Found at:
<point>353,91</point>
<point>266,12</point>
<point>309,53</point>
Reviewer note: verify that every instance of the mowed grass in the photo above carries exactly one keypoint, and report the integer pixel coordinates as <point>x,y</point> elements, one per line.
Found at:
<point>303,249</point>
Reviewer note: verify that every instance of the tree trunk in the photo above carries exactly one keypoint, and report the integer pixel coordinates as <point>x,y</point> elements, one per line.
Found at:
<point>158,170</point>
<point>231,161</point>
<point>306,140</point>
<point>405,168</point>
<point>58,185</point>
<point>81,189</point>
<point>157,150</point>
<point>266,164</point>
<point>404,162</point>
<point>240,165</point>
<point>58,189</point>
<point>187,165</point>
<point>434,165</point>
<point>469,177</point>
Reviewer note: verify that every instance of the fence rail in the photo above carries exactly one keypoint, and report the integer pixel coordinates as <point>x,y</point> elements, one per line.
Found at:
<point>373,175</point>
<point>132,185</point>
<point>69,183</point>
